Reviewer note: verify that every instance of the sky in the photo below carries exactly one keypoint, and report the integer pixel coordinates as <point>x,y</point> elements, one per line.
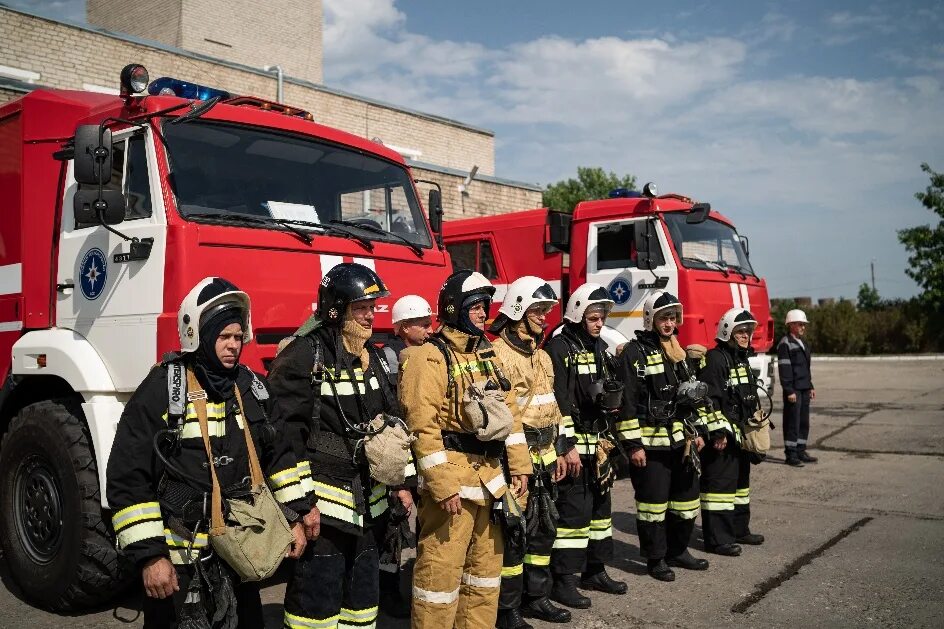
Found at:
<point>805,122</point>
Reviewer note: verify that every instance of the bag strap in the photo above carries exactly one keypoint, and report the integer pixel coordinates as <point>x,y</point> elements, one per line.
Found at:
<point>198,397</point>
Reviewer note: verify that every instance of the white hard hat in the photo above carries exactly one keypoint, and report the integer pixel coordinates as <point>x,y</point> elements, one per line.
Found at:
<point>525,292</point>
<point>589,294</point>
<point>796,316</point>
<point>733,318</point>
<point>411,307</point>
<point>656,302</point>
<point>210,295</point>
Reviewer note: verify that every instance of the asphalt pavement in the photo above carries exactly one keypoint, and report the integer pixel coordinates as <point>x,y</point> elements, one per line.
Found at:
<point>855,540</point>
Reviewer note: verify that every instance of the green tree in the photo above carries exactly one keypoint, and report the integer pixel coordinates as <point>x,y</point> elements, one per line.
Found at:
<point>868,298</point>
<point>591,183</point>
<point>925,244</point>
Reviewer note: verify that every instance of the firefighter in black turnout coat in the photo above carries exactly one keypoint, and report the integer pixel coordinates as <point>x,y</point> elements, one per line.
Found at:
<point>584,539</point>
<point>158,481</point>
<point>662,427</point>
<point>726,467</point>
<point>329,384</point>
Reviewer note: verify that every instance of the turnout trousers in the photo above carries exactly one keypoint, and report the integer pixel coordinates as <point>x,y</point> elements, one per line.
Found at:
<point>666,503</point>
<point>335,583</point>
<point>164,613</point>
<point>725,495</point>
<point>527,571</point>
<point>796,422</point>
<point>585,526</point>
<point>457,574</point>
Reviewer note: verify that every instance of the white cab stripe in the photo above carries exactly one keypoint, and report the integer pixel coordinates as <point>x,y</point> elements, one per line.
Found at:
<point>735,295</point>
<point>368,262</point>
<point>329,262</point>
<point>11,326</point>
<point>745,300</point>
<point>11,279</point>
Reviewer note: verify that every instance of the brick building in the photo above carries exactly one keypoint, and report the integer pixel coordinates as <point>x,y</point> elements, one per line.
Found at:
<point>205,41</point>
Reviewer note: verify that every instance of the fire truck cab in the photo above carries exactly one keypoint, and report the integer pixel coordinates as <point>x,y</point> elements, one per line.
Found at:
<point>631,243</point>
<point>114,207</point>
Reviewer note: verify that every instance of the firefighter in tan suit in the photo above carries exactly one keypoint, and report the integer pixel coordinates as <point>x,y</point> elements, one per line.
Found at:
<point>526,574</point>
<point>444,386</point>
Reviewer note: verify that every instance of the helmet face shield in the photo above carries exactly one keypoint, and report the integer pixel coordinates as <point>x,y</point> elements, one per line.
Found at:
<point>345,284</point>
<point>461,291</point>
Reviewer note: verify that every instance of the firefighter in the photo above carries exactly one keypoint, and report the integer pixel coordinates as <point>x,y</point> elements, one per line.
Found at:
<point>461,451</point>
<point>526,572</point>
<point>726,467</point>
<point>796,379</point>
<point>412,320</point>
<point>662,426</point>
<point>584,539</point>
<point>329,385</point>
<point>158,480</point>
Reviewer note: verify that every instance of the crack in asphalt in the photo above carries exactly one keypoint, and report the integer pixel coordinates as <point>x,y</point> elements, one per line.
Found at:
<point>860,510</point>
<point>871,408</point>
<point>793,568</point>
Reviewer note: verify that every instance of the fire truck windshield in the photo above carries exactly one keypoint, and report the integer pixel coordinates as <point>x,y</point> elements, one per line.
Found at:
<point>707,245</point>
<point>220,169</point>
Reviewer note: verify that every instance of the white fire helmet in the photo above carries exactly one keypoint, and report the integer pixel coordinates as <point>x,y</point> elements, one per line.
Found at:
<point>410,307</point>
<point>209,296</point>
<point>796,316</point>
<point>733,318</point>
<point>657,302</point>
<point>525,292</point>
<point>589,294</point>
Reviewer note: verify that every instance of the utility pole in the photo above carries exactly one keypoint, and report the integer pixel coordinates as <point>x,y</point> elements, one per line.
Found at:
<point>873,275</point>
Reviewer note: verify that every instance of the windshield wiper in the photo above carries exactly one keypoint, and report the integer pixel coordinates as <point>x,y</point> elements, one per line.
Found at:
<point>255,220</point>
<point>383,232</point>
<point>197,110</point>
<point>741,270</point>
<point>331,228</point>
<point>734,268</point>
<point>710,265</point>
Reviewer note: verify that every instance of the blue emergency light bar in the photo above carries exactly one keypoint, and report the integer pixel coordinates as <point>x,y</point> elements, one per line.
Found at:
<point>624,193</point>
<point>167,86</point>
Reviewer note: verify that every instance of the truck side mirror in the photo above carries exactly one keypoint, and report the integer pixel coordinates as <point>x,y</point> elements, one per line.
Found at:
<point>93,155</point>
<point>435,211</point>
<point>88,206</point>
<point>746,245</point>
<point>642,236</point>
<point>557,237</point>
<point>698,213</point>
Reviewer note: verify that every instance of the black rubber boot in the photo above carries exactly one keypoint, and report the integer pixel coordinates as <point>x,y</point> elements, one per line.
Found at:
<point>685,560</point>
<point>596,578</point>
<point>660,570</point>
<point>511,619</point>
<point>794,461</point>
<point>728,550</point>
<point>543,609</point>
<point>806,458</point>
<point>565,592</point>
<point>392,601</point>
<point>753,539</point>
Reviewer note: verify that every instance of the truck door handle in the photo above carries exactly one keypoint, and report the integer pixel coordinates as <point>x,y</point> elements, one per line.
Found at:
<point>65,286</point>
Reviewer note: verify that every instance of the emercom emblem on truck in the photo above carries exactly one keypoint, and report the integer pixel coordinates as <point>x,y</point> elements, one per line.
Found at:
<point>94,273</point>
<point>620,290</point>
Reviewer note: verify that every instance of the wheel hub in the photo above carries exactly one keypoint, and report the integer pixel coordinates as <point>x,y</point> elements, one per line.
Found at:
<point>38,509</point>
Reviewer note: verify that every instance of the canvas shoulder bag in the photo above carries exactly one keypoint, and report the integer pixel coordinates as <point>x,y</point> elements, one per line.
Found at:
<point>255,536</point>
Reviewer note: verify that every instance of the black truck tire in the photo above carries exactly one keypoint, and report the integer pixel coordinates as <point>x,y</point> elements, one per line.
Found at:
<point>57,546</point>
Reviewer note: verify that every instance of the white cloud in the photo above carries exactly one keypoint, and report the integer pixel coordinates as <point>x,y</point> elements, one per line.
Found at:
<point>833,157</point>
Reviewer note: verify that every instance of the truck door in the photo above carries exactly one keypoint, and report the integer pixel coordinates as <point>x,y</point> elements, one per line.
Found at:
<point>478,255</point>
<point>613,262</point>
<point>114,303</point>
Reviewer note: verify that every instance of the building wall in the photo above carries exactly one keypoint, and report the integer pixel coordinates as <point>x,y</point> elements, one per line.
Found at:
<point>258,34</point>
<point>67,57</point>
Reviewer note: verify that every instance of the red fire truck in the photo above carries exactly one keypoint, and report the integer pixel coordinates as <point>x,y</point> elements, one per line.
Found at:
<point>113,208</point>
<point>632,243</point>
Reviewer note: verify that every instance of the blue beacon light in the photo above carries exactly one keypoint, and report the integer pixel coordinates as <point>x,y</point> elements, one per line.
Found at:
<point>167,86</point>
